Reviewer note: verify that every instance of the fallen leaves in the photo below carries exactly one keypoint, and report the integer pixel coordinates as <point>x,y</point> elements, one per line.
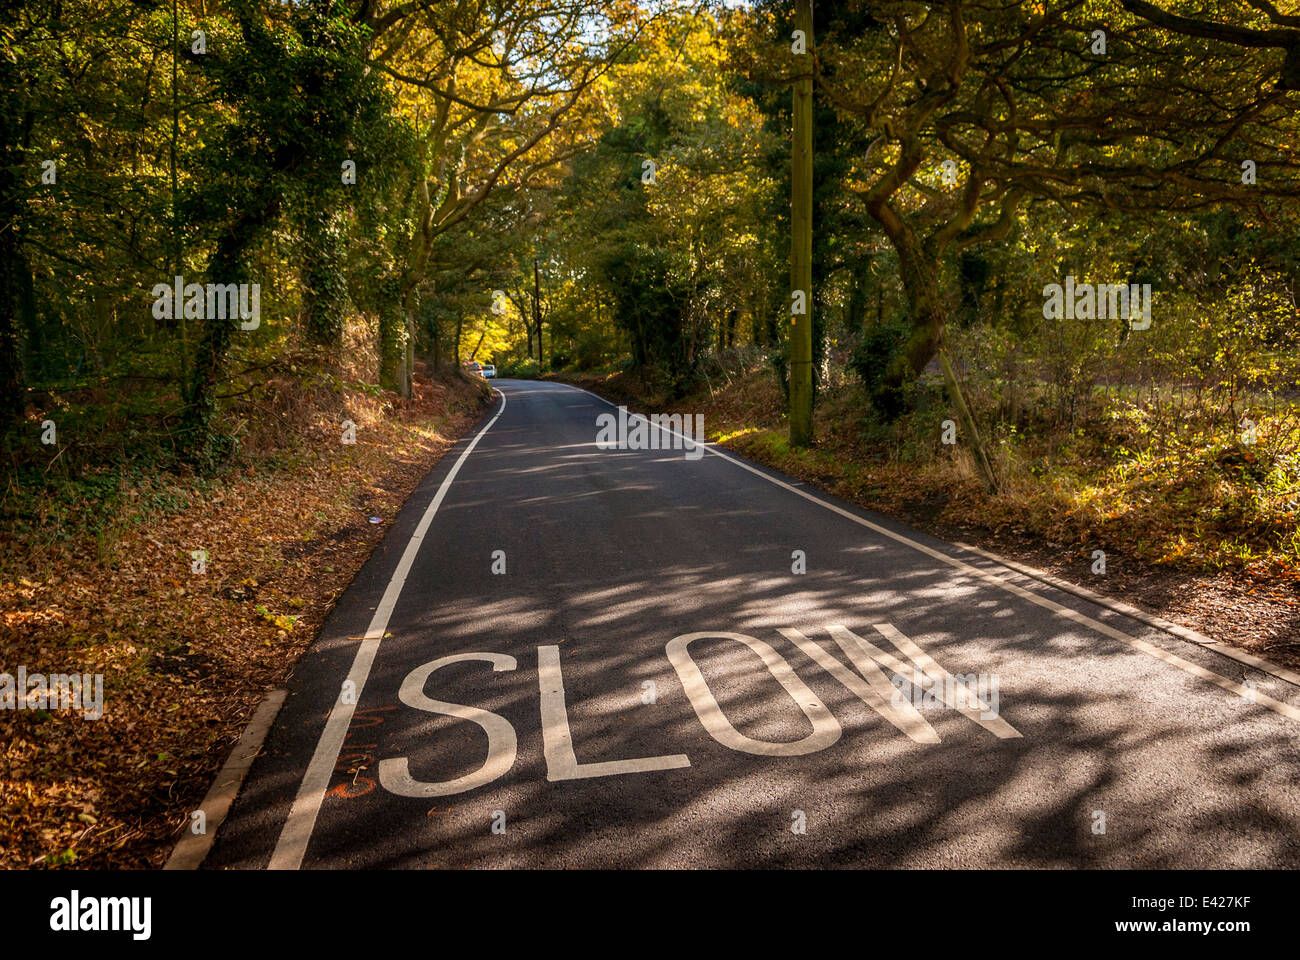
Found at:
<point>186,657</point>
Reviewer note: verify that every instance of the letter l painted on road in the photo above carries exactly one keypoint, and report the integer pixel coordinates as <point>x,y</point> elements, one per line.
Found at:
<point>557,741</point>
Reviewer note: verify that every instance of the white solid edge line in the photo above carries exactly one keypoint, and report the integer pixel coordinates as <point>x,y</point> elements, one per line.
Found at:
<point>1119,606</point>
<point>1150,619</point>
<point>1285,709</point>
<point>292,845</point>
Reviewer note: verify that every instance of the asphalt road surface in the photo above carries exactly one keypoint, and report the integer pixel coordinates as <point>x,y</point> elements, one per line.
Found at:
<point>651,683</point>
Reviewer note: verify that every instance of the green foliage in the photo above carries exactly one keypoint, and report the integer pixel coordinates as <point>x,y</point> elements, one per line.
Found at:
<point>876,349</point>
<point>278,620</point>
<point>667,269</point>
<point>325,286</point>
<point>525,369</point>
<point>494,183</point>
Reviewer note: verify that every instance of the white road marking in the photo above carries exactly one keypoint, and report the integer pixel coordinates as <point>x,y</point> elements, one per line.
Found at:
<point>872,688</point>
<point>862,652</point>
<point>395,774</point>
<point>1178,630</point>
<point>557,740</point>
<point>826,729</point>
<point>1196,670</point>
<point>292,845</point>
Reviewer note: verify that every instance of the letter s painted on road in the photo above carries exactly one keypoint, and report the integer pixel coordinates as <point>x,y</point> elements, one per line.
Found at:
<point>395,775</point>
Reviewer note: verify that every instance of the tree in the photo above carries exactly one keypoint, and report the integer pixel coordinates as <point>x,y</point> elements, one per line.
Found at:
<point>15,274</point>
<point>660,218</point>
<point>485,86</point>
<point>1028,103</point>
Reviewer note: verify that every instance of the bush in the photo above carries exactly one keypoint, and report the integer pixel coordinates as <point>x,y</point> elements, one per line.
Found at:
<point>877,347</point>
<point>518,369</point>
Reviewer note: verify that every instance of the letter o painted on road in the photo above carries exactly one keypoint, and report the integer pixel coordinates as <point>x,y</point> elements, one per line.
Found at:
<point>826,729</point>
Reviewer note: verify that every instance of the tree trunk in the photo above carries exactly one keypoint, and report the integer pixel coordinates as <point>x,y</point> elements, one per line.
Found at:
<point>12,264</point>
<point>968,423</point>
<point>479,344</point>
<point>226,265</point>
<point>857,312</point>
<point>408,361</point>
<point>324,287</point>
<point>392,346</point>
<point>921,284</point>
<point>11,368</point>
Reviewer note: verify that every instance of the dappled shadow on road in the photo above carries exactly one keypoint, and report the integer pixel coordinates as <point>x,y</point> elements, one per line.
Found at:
<point>612,554</point>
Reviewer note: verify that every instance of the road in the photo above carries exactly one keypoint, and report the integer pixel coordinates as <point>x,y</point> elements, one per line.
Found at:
<point>652,683</point>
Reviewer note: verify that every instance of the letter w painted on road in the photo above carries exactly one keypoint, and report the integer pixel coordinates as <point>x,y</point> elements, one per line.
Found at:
<point>878,693</point>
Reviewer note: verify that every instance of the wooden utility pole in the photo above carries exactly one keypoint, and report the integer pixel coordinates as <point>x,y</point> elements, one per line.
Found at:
<point>801,191</point>
<point>177,254</point>
<point>537,312</point>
